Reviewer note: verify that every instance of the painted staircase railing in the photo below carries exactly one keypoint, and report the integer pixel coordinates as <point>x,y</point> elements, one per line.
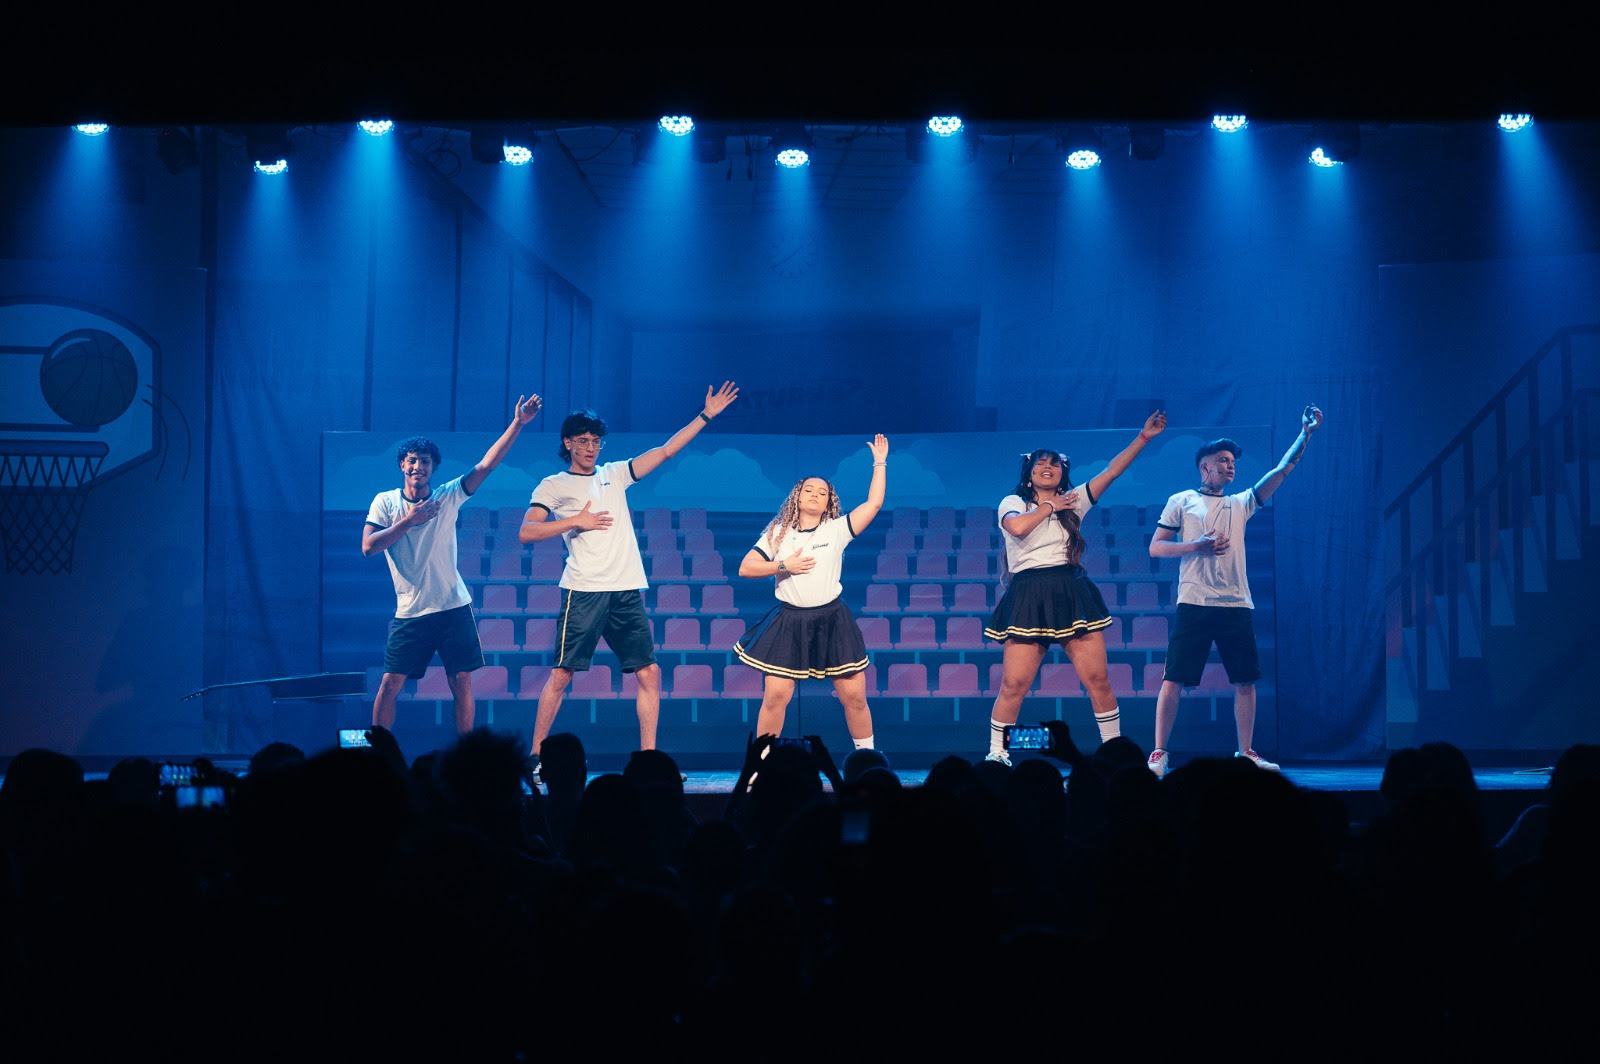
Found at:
<point>1480,524</point>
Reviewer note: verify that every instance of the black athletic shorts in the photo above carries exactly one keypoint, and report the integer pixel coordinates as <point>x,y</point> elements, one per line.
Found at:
<point>1230,627</point>
<point>617,615</point>
<point>413,641</point>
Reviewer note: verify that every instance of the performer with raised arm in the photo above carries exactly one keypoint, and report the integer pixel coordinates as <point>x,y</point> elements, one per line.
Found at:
<point>1049,598</point>
<point>1205,528</point>
<point>810,633</point>
<point>603,581</point>
<point>414,526</point>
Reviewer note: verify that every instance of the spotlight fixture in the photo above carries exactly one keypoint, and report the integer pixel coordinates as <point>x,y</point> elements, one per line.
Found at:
<point>791,146</point>
<point>1330,145</point>
<point>175,148</point>
<point>1081,147</point>
<point>269,149</point>
<point>677,125</point>
<point>519,154</point>
<point>91,129</point>
<point>1509,123</point>
<point>1229,123</point>
<point>1146,142</point>
<point>375,127</point>
<point>944,125</point>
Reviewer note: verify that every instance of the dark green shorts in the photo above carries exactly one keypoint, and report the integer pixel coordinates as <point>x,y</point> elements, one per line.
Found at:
<point>413,641</point>
<point>617,615</point>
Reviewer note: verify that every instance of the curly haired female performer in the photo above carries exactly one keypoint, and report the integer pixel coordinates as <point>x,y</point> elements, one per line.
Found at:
<point>1050,599</point>
<point>811,634</point>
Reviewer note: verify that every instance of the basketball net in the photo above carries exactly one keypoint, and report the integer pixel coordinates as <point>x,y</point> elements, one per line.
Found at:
<point>43,484</point>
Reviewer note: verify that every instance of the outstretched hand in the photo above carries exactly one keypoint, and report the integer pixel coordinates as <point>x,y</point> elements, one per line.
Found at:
<point>717,400</point>
<point>1154,425</point>
<point>588,520</point>
<point>879,446</point>
<point>1310,419</point>
<point>527,409</point>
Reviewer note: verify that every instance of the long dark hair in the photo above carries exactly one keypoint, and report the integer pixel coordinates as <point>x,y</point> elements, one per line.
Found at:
<point>1069,518</point>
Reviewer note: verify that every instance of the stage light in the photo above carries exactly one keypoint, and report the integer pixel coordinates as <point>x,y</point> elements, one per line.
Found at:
<point>1512,123</point>
<point>1083,159</point>
<point>944,125</point>
<point>677,125</point>
<point>1330,145</point>
<point>1081,146</point>
<point>269,149</point>
<point>792,145</point>
<point>91,129</point>
<point>1146,142</point>
<point>176,150</point>
<point>1229,123</point>
<point>518,154</point>
<point>375,127</point>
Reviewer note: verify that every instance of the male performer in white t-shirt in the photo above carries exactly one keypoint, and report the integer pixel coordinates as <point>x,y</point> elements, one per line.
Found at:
<point>603,582</point>
<point>1205,528</point>
<point>415,528</point>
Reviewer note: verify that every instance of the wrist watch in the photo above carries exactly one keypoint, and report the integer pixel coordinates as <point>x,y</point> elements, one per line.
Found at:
<point>781,567</point>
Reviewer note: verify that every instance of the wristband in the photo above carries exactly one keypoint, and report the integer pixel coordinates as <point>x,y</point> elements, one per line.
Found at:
<point>781,568</point>
<point>879,465</point>
<point>704,418</point>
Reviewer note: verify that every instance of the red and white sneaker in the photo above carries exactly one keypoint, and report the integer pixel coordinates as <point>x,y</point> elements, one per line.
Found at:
<point>1260,762</point>
<point>1157,763</point>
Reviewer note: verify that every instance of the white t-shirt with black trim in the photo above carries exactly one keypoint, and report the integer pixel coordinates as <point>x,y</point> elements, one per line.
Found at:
<point>599,559</point>
<point>825,543</point>
<point>422,562</point>
<point>1049,541</point>
<point>1207,579</point>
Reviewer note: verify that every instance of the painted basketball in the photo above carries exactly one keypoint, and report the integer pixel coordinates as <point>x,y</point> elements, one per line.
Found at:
<point>89,378</point>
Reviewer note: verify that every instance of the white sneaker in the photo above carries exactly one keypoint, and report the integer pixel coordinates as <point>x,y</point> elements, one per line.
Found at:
<point>1260,761</point>
<point>1000,756</point>
<point>1157,763</point>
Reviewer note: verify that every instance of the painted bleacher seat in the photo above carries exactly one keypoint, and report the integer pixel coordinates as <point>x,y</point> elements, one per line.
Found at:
<point>882,598</point>
<point>725,631</point>
<point>681,633</point>
<point>692,681</point>
<point>875,631</point>
<point>740,681</point>
<point>925,598</point>
<point>717,600</point>
<point>907,679</point>
<point>531,680</point>
<point>544,600</point>
<point>673,599</point>
<point>497,633</point>
<point>963,633</point>
<point>500,598</point>
<point>958,680</point>
<point>917,633</point>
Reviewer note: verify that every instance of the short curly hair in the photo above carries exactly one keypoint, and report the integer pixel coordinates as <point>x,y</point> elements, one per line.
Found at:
<point>416,445</point>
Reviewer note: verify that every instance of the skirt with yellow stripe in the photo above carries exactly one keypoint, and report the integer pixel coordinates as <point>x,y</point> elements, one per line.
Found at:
<point>805,643</point>
<point>1047,605</point>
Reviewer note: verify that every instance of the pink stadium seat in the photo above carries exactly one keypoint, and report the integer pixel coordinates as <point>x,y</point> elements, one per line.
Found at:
<point>682,633</point>
<point>1058,680</point>
<point>660,540</point>
<point>740,681</point>
<point>875,630</point>
<point>506,566</point>
<point>925,598</point>
<point>656,518</point>
<point>698,541</point>
<point>939,539</point>
<point>1152,678</point>
<point>530,684</point>
<point>1214,678</point>
<point>978,517</point>
<point>958,680</point>
<point>500,598</point>
<point>473,540</point>
<point>1120,673</point>
<point>475,517</point>
<point>982,540</point>
<point>941,517</point>
<point>497,633</point>
<point>907,679</point>
<point>544,600</point>
<point>900,539</point>
<point>917,633</point>
<point>882,598</point>
<point>725,631</point>
<point>673,598</point>
<point>594,682</point>
<point>906,517</point>
<point>892,566</point>
<point>932,565</point>
<point>717,599</point>
<point>692,681</point>
<point>1149,633</point>
<point>545,567</point>
<point>692,519</point>
<point>970,598</point>
<point>433,685</point>
<point>963,633</point>
<point>706,567</point>
<point>1140,597</point>
<point>540,634</point>
<point>490,682</point>
<point>507,519</point>
<point>972,565</point>
<point>668,565</point>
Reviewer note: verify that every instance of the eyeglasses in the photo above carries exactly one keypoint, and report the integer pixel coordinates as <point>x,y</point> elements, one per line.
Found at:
<point>587,443</point>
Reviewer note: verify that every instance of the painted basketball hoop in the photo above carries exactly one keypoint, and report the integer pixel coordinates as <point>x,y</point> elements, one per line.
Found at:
<point>43,484</point>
